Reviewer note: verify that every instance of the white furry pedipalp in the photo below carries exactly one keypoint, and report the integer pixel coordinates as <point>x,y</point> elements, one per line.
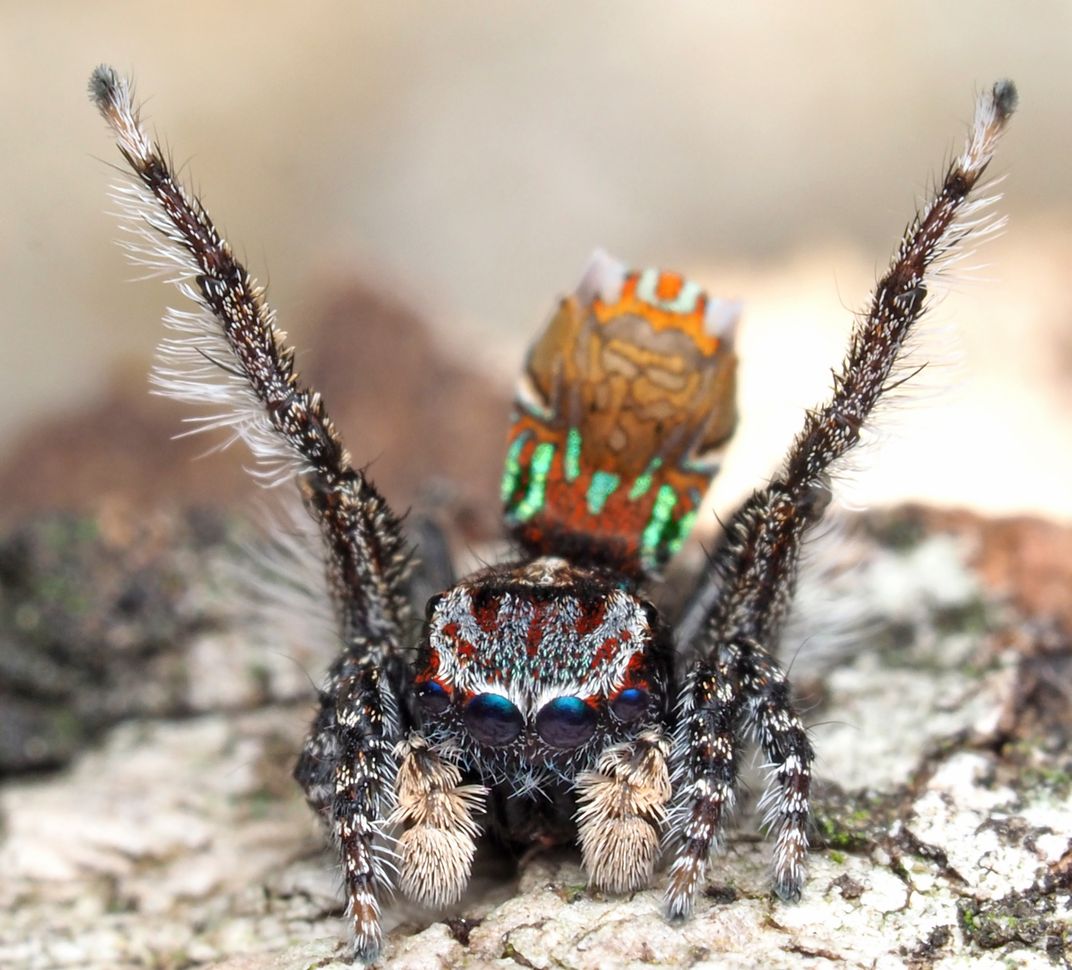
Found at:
<point>436,849</point>
<point>622,810</point>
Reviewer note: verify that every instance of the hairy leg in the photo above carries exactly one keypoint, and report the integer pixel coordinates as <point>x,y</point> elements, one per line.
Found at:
<point>756,567</point>
<point>706,758</point>
<point>228,354</point>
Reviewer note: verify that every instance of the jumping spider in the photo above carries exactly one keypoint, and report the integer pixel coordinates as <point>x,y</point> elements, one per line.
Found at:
<point>546,700</point>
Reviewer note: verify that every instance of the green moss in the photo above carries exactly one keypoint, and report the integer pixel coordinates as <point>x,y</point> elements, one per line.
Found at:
<point>61,591</point>
<point>970,617</point>
<point>85,529</point>
<point>838,857</point>
<point>836,836</point>
<point>571,892</point>
<point>67,725</point>
<point>260,675</point>
<point>1014,919</point>
<point>900,531</point>
<point>259,804</point>
<point>1053,778</point>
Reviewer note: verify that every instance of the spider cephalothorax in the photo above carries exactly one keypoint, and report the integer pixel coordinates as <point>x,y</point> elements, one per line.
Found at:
<point>549,701</point>
<point>541,665</point>
<point>529,673</point>
<point>534,669</point>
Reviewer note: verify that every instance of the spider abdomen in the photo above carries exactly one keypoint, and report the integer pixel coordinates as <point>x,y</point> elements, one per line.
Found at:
<point>626,400</point>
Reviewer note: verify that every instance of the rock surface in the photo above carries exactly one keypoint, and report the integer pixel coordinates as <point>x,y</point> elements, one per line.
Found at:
<point>943,807</point>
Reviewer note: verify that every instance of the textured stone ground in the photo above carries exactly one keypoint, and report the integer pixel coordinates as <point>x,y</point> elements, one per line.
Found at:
<point>174,838</point>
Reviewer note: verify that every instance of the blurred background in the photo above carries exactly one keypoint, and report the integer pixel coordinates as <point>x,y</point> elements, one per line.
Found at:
<point>418,182</point>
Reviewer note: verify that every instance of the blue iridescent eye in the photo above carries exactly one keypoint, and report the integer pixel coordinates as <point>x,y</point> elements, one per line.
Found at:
<point>630,704</point>
<point>432,697</point>
<point>565,722</point>
<point>493,720</point>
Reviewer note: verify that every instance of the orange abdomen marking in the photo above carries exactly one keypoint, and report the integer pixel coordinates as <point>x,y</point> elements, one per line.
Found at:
<point>625,403</point>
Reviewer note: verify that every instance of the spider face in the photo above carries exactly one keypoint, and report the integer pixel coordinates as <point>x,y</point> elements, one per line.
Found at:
<point>533,669</point>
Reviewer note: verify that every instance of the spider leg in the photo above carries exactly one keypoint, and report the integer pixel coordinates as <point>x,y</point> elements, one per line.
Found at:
<point>755,569</point>
<point>706,756</point>
<point>781,734</point>
<point>229,354</point>
<point>347,769</point>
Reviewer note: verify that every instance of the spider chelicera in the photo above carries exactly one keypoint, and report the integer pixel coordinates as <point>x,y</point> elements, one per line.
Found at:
<point>548,701</point>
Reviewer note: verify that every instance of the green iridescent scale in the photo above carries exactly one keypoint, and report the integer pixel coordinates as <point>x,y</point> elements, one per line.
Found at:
<point>512,470</point>
<point>661,536</point>
<point>572,461</point>
<point>536,494</point>
<point>664,535</point>
<point>643,482</point>
<point>603,486</point>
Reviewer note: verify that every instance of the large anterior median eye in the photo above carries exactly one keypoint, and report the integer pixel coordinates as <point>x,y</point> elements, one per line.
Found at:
<point>492,719</point>
<point>565,722</point>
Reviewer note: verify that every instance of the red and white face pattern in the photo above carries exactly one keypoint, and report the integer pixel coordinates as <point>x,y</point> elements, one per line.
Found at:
<point>541,664</point>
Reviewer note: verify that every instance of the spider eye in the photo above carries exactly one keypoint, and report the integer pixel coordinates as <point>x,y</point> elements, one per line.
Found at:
<point>432,697</point>
<point>631,704</point>
<point>493,720</point>
<point>565,722</point>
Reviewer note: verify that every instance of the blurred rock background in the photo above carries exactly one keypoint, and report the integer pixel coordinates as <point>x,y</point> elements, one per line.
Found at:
<point>452,165</point>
